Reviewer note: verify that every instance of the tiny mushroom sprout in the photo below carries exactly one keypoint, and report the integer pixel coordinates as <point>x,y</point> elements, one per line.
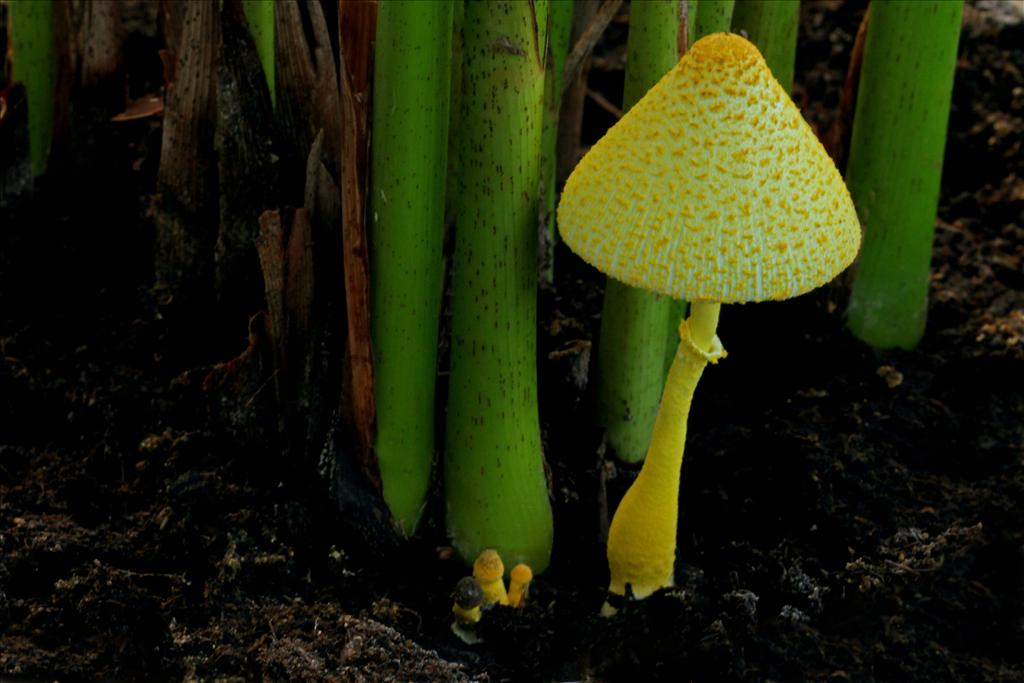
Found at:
<point>489,571</point>
<point>519,584</point>
<point>714,189</point>
<point>468,597</point>
<point>467,600</point>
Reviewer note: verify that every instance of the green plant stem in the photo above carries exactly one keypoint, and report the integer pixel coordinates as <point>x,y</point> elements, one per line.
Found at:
<point>896,150</point>
<point>451,196</point>
<point>709,16</point>
<point>35,65</point>
<point>560,26</point>
<point>652,48</point>
<point>772,26</point>
<point>495,489</point>
<point>410,144</point>
<point>632,346</point>
<point>260,16</point>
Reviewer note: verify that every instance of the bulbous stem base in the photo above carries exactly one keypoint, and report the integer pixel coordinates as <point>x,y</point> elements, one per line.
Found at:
<point>642,537</point>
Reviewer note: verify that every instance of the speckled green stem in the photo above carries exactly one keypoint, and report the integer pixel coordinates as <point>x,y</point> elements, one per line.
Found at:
<point>896,150</point>
<point>451,196</point>
<point>410,141</point>
<point>495,486</point>
<point>35,65</point>
<point>632,345</point>
<point>260,16</point>
<point>772,26</point>
<point>560,26</point>
<point>709,16</point>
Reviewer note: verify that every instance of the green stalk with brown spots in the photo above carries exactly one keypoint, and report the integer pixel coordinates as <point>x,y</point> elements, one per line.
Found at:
<point>560,28</point>
<point>896,150</point>
<point>495,485</point>
<point>772,26</point>
<point>709,16</point>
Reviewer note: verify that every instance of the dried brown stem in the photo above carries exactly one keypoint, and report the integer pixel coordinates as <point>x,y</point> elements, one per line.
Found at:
<point>186,222</point>
<point>604,103</point>
<point>837,141</point>
<point>357,26</point>
<point>584,44</point>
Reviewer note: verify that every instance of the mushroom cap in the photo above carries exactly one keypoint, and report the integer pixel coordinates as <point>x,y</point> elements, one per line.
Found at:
<point>468,593</point>
<point>488,566</point>
<point>712,187</point>
<point>521,573</point>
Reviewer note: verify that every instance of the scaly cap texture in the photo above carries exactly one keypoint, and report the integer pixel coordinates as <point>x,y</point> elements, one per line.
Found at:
<point>712,188</point>
<point>488,566</point>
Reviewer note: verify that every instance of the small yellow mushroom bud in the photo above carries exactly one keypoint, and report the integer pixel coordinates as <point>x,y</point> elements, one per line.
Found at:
<point>488,571</point>
<point>468,598</point>
<point>519,585</point>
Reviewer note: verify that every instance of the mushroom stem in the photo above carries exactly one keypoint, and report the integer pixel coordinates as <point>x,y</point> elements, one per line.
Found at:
<point>642,537</point>
<point>703,322</point>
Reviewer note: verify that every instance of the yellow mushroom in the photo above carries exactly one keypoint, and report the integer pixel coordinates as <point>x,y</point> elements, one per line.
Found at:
<point>468,598</point>
<point>736,201</point>
<point>519,584</point>
<point>489,571</point>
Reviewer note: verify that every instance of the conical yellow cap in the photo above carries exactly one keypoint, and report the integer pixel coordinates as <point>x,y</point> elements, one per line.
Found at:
<point>712,188</point>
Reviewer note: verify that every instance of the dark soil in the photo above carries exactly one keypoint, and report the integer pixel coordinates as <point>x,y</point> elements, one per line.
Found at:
<point>844,515</point>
